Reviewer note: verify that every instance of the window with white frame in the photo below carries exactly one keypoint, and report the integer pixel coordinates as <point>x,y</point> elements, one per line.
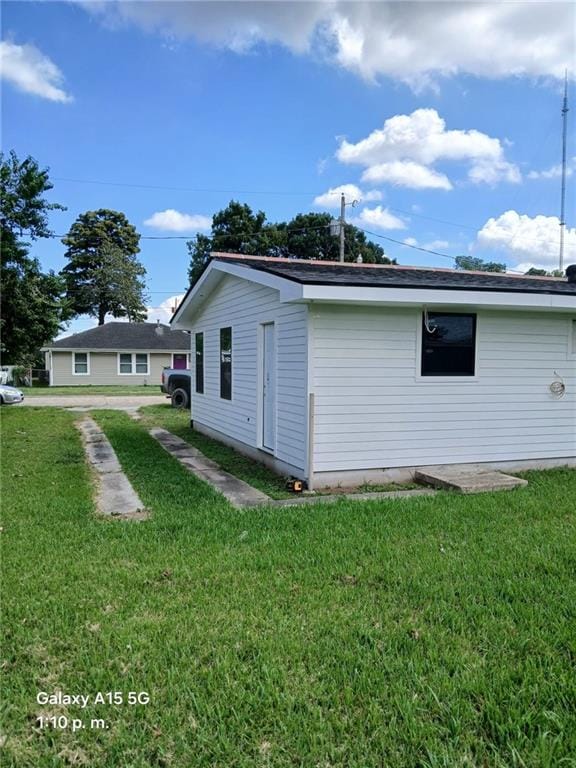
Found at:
<point>80,364</point>
<point>133,363</point>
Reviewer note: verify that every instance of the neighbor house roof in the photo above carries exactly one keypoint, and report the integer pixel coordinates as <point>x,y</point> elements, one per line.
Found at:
<point>126,336</point>
<point>393,276</point>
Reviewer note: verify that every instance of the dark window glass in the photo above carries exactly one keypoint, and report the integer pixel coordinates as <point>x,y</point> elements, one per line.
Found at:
<point>226,363</point>
<point>200,363</point>
<point>448,345</point>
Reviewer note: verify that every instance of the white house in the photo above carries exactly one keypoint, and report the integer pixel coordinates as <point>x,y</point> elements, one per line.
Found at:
<point>344,373</point>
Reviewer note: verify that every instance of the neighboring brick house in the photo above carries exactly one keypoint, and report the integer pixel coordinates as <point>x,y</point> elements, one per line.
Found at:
<point>117,353</point>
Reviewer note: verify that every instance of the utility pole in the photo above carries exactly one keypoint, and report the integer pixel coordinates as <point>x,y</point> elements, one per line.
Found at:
<point>563,193</point>
<point>342,222</point>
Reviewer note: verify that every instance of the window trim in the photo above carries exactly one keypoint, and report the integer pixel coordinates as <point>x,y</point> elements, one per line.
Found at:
<point>225,328</point>
<point>133,372</point>
<point>196,390</point>
<point>572,338</point>
<point>74,372</point>
<point>450,378</point>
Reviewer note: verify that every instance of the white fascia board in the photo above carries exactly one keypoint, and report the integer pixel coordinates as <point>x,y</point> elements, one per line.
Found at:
<point>289,290</point>
<point>410,297</point>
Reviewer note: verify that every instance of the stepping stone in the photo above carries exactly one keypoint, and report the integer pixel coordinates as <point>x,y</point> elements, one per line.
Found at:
<point>468,481</point>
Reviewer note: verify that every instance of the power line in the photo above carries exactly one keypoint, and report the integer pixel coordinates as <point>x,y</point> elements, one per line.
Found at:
<point>199,190</point>
<point>420,248</point>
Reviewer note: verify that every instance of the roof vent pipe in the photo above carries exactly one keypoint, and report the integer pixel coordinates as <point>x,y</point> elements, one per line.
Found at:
<point>571,273</point>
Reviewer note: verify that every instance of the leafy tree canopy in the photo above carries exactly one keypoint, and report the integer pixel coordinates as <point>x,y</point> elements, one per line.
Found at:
<point>103,275</point>
<point>237,229</point>
<point>478,265</point>
<point>33,306</point>
<point>24,209</point>
<point>543,273</point>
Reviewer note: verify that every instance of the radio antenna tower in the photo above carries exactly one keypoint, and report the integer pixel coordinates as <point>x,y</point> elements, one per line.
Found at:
<point>563,193</point>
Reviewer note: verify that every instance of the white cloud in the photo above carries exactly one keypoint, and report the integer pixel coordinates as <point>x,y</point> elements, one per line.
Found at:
<point>175,221</point>
<point>405,173</point>
<point>534,240</point>
<point>437,245</point>
<point>491,171</point>
<point>554,172</point>
<point>164,312</point>
<point>331,199</point>
<point>404,149</point>
<point>378,217</point>
<point>408,41</point>
<point>433,245</point>
<point>29,70</point>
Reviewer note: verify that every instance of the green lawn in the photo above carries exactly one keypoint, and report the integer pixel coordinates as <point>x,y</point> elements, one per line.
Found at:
<point>258,475</point>
<point>178,422</point>
<point>435,632</point>
<point>93,389</point>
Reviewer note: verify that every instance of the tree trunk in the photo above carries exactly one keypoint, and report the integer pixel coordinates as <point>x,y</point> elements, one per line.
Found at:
<point>101,315</point>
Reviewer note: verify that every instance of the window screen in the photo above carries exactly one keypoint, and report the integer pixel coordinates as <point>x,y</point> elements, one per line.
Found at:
<point>125,363</point>
<point>80,362</point>
<point>226,363</point>
<point>141,363</point>
<point>448,344</point>
<point>200,363</point>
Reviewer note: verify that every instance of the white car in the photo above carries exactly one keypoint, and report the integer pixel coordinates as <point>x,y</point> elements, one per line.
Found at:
<point>9,395</point>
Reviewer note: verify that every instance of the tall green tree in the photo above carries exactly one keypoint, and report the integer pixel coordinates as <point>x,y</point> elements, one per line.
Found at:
<point>33,306</point>
<point>473,263</point>
<point>103,275</point>
<point>308,236</point>
<point>237,229</point>
<point>536,272</point>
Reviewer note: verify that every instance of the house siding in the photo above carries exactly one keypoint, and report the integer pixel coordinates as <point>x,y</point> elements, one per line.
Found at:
<point>373,411</point>
<point>244,306</point>
<point>104,369</point>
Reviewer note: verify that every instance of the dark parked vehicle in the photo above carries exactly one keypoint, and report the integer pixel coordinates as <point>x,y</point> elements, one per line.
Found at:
<point>176,384</point>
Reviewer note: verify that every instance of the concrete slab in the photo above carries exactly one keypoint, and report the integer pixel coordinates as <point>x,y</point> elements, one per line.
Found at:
<point>375,496</point>
<point>467,481</point>
<point>115,495</point>
<point>236,491</point>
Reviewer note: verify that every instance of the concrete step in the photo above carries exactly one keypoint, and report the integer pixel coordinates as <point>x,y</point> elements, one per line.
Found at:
<point>468,481</point>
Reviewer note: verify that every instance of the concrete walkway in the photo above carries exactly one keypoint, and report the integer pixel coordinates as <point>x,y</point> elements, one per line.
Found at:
<point>241,494</point>
<point>238,493</point>
<point>87,402</point>
<point>115,495</point>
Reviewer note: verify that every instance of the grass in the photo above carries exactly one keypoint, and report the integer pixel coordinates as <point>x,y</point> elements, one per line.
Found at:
<point>258,475</point>
<point>178,422</point>
<point>435,632</point>
<point>93,389</point>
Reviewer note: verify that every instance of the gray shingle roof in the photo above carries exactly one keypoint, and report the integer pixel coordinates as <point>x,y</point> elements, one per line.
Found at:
<point>370,275</point>
<point>126,336</point>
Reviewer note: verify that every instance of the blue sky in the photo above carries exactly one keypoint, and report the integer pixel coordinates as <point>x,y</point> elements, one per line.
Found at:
<point>445,118</point>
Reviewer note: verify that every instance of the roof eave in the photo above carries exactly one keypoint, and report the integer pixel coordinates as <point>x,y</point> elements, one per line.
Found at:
<point>214,273</point>
<point>440,296</point>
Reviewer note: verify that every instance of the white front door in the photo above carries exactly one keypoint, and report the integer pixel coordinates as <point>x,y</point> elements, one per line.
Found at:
<point>269,387</point>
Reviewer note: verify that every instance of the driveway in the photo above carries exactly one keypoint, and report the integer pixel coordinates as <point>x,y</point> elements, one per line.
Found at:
<point>86,402</point>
